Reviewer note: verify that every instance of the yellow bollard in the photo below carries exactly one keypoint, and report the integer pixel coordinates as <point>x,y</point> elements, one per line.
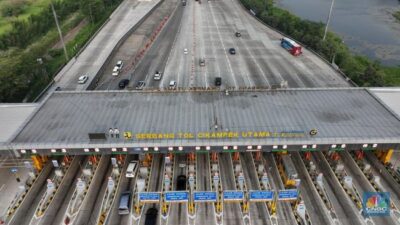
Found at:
<point>273,207</point>
<point>191,207</point>
<point>37,162</point>
<point>387,156</point>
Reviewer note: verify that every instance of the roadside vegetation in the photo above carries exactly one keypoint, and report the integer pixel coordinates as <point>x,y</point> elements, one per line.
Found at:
<point>360,69</point>
<point>27,60</point>
<point>397,16</point>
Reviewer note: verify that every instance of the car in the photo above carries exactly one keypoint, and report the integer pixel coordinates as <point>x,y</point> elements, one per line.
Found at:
<point>151,216</point>
<point>172,84</point>
<point>140,85</point>
<point>181,183</point>
<point>58,89</point>
<point>238,34</point>
<point>232,51</point>
<point>124,203</point>
<point>82,79</point>
<point>131,169</point>
<point>218,81</point>
<point>115,71</point>
<point>202,62</point>
<point>157,75</point>
<point>123,83</point>
<point>185,51</point>
<point>120,64</point>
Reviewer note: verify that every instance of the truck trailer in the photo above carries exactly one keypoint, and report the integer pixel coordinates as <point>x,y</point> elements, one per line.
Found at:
<point>291,46</point>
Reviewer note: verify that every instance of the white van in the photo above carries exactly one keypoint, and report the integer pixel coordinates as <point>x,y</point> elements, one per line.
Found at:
<point>130,171</point>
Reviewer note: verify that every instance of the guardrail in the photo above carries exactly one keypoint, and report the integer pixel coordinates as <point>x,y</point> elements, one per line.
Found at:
<point>253,14</point>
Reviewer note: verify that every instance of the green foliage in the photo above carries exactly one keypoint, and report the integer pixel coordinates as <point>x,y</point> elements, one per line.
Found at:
<point>92,9</point>
<point>25,32</point>
<point>21,76</point>
<point>397,15</point>
<point>12,9</point>
<point>360,69</point>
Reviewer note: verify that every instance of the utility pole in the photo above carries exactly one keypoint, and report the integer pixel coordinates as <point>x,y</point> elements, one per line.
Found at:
<point>59,30</point>
<point>328,20</point>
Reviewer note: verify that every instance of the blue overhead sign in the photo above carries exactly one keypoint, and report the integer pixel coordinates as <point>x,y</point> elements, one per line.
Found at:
<point>205,196</point>
<point>149,196</point>
<point>233,195</point>
<point>290,194</point>
<point>261,196</point>
<point>176,196</point>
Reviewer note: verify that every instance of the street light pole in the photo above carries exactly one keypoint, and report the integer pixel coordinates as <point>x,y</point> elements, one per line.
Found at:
<point>59,31</point>
<point>328,20</point>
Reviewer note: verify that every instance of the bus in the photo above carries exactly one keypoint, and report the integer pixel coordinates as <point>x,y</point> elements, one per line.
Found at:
<point>130,171</point>
<point>124,203</point>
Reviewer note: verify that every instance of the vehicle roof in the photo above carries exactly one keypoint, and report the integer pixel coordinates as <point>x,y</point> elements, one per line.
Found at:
<point>151,211</point>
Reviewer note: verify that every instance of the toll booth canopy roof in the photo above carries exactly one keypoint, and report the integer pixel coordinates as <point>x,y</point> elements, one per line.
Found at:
<point>346,115</point>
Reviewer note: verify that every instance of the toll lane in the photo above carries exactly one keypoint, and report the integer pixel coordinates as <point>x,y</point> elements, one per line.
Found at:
<point>155,185</point>
<point>124,185</point>
<point>231,211</point>
<point>346,210</point>
<point>205,213</point>
<point>259,213</point>
<point>38,187</point>
<point>387,180</point>
<point>362,184</point>
<point>178,211</point>
<point>67,183</point>
<point>314,204</point>
<point>284,209</point>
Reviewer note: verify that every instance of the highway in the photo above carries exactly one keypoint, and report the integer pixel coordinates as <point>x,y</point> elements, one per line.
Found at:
<point>205,213</point>
<point>362,184</point>
<point>91,60</point>
<point>207,31</point>
<point>129,51</point>
<point>232,214</point>
<point>259,213</point>
<point>284,209</point>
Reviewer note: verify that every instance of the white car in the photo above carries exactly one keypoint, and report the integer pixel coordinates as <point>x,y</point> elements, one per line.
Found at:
<point>172,84</point>
<point>185,51</point>
<point>82,79</point>
<point>131,170</point>
<point>120,64</point>
<point>157,75</point>
<point>115,71</point>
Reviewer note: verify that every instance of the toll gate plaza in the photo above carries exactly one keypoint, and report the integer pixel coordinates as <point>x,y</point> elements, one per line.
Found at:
<point>293,156</point>
<point>133,122</point>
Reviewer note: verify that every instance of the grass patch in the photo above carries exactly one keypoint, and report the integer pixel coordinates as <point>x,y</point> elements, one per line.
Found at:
<point>30,7</point>
<point>392,77</point>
